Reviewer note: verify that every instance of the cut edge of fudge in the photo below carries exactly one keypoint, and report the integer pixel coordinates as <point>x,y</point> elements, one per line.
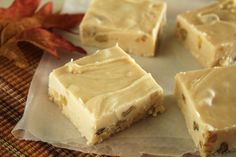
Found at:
<point>98,126</point>
<point>201,48</point>
<point>198,49</point>
<point>207,139</point>
<point>139,42</point>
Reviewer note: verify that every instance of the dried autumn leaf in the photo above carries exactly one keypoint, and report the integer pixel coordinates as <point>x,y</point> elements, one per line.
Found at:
<point>18,9</point>
<point>2,25</point>
<point>44,20</point>
<point>38,37</point>
<point>45,10</point>
<point>47,41</point>
<point>55,21</point>
<point>15,28</point>
<point>12,52</point>
<point>19,22</point>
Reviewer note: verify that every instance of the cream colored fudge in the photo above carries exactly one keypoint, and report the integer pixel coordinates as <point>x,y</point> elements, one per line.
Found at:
<point>104,93</point>
<point>133,24</point>
<point>207,100</point>
<point>210,33</point>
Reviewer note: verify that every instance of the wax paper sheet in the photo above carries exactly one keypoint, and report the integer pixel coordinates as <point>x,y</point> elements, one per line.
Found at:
<point>164,135</point>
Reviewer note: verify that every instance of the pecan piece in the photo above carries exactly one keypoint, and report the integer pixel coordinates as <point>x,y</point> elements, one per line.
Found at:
<point>212,137</point>
<point>127,112</point>
<point>100,131</point>
<point>207,148</point>
<point>183,98</point>
<point>234,59</point>
<point>195,126</point>
<point>101,38</point>
<point>223,148</point>
<point>181,32</point>
<point>199,42</point>
<point>143,38</point>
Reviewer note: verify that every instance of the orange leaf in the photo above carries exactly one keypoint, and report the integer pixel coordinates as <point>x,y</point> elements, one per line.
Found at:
<point>19,22</point>
<point>62,21</point>
<point>2,25</point>
<point>45,10</point>
<point>12,52</point>
<point>18,9</point>
<point>44,18</point>
<point>14,28</point>
<point>47,41</point>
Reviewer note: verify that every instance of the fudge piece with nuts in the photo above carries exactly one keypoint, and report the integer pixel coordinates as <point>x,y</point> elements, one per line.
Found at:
<point>210,33</point>
<point>135,25</point>
<point>104,93</point>
<point>207,101</point>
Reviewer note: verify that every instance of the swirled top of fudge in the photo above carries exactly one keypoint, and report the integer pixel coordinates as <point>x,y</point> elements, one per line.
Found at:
<point>217,22</point>
<point>106,80</point>
<point>132,15</point>
<point>213,93</point>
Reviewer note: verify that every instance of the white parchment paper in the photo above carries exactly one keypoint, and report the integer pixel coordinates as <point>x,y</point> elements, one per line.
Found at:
<point>163,135</point>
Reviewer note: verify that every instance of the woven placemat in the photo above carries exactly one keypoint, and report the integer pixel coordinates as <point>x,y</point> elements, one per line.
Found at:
<point>14,86</point>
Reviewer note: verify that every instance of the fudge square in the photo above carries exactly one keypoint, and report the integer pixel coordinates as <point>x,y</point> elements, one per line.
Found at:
<point>133,24</point>
<point>210,33</point>
<point>208,102</point>
<point>104,93</point>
